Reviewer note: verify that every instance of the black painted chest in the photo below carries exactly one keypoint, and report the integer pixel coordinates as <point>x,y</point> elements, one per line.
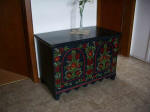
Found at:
<point>68,61</point>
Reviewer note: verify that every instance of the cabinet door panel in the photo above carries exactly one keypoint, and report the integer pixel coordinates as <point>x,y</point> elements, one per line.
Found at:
<point>78,63</point>
<point>73,65</point>
<point>69,64</point>
<point>103,57</point>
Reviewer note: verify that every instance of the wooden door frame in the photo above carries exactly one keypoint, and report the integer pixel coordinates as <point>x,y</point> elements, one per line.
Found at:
<point>28,28</point>
<point>127,24</point>
<point>99,13</point>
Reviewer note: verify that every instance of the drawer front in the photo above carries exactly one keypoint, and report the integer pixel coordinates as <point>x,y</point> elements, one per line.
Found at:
<point>79,63</point>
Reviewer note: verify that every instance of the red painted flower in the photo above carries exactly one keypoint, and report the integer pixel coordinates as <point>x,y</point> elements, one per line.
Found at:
<point>73,65</point>
<point>57,69</point>
<point>114,64</point>
<point>78,72</point>
<point>100,66</point>
<point>68,67</point>
<point>104,57</point>
<point>102,50</point>
<point>57,81</point>
<point>84,45</point>
<point>69,57</point>
<point>77,56</point>
<point>107,64</point>
<point>62,86</point>
<point>69,75</point>
<point>108,49</point>
<point>111,69</point>
<point>57,58</point>
<point>113,39</point>
<point>89,61</point>
<point>61,50</point>
<point>90,53</point>
<point>83,80</point>
<point>101,59</point>
<point>116,45</point>
<point>89,71</point>
<point>94,76</point>
<point>79,65</point>
<point>96,43</point>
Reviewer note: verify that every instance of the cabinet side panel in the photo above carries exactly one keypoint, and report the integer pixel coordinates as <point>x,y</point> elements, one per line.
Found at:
<point>46,65</point>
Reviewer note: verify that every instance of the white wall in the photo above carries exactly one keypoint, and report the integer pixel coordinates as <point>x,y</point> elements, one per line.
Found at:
<point>53,15</point>
<point>140,47</point>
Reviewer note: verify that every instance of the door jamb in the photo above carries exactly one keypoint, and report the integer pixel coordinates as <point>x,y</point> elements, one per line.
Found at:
<point>30,39</point>
<point>127,24</point>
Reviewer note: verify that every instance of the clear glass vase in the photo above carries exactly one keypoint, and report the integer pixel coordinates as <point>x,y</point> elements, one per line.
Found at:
<point>81,17</point>
<point>81,20</point>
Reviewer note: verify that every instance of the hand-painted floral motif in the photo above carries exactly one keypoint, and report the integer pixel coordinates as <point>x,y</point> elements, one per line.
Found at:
<point>90,52</point>
<point>72,65</point>
<point>104,59</point>
<point>85,62</point>
<point>57,64</point>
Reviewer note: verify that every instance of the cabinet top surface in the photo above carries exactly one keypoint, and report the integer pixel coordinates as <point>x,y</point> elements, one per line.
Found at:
<point>64,36</point>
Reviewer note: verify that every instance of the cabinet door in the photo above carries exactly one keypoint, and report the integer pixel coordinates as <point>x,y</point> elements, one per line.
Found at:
<point>69,65</point>
<point>103,57</point>
<point>76,64</point>
<point>106,57</point>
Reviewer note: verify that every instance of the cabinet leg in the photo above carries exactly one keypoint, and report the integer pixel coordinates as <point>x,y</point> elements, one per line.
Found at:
<point>93,82</point>
<point>101,79</point>
<point>42,81</point>
<point>113,77</point>
<point>85,85</point>
<point>57,97</point>
<point>77,88</point>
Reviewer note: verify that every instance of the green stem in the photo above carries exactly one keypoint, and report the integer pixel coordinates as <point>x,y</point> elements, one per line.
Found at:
<point>81,14</point>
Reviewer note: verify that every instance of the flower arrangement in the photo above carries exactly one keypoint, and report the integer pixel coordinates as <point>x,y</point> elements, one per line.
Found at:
<point>81,7</point>
<point>81,4</point>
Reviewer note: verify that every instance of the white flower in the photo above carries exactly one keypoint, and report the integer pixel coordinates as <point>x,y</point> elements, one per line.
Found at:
<point>90,0</point>
<point>83,2</point>
<point>86,0</point>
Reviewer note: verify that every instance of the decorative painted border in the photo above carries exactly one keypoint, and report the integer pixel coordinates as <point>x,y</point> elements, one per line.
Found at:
<point>95,72</point>
<point>89,82</point>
